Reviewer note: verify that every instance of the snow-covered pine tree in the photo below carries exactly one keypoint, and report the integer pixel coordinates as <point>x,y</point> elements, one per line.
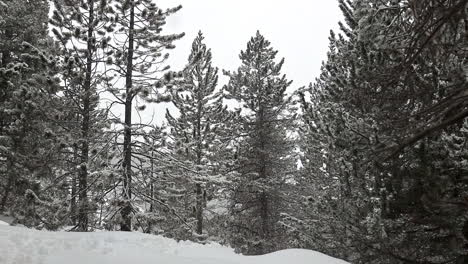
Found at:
<point>334,191</point>
<point>9,112</point>
<point>30,117</point>
<point>82,27</point>
<point>137,59</point>
<point>264,149</point>
<point>412,89</point>
<point>309,224</point>
<point>426,81</point>
<point>383,125</point>
<point>196,135</point>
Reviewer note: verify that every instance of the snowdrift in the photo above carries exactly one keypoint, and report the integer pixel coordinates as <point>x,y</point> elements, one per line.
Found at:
<point>20,245</point>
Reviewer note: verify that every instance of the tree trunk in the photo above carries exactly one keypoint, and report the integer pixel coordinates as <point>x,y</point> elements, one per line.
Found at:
<point>199,210</point>
<point>126,224</point>
<point>151,209</point>
<point>198,187</point>
<point>265,230</point>
<point>73,205</point>
<point>73,180</point>
<point>85,127</point>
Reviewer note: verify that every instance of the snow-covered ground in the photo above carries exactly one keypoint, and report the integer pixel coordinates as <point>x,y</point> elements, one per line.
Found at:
<point>19,245</point>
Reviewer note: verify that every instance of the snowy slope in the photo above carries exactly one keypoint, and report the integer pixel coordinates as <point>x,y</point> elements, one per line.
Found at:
<point>19,245</point>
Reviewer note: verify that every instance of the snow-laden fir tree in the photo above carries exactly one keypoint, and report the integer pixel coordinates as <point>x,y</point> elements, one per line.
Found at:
<point>264,149</point>
<point>197,134</point>
<point>135,68</point>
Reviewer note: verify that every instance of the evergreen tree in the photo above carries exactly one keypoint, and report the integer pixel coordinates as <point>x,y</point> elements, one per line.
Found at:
<point>381,121</point>
<point>29,116</point>
<point>197,133</point>
<point>137,58</point>
<point>264,148</point>
<point>82,28</point>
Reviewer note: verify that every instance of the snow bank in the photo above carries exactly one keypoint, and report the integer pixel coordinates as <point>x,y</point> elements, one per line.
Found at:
<point>24,246</point>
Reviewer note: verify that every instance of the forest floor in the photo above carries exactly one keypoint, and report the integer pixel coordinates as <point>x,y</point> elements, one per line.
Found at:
<point>20,245</point>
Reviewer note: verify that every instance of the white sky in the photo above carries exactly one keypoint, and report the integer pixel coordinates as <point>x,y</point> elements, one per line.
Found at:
<point>298,29</point>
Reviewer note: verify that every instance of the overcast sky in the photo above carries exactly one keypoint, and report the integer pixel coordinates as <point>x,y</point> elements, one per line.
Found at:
<point>298,29</point>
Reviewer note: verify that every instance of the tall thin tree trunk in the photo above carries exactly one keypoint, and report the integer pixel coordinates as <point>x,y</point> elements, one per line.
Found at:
<point>73,180</point>
<point>198,187</point>
<point>265,232</point>
<point>126,224</point>
<point>85,126</point>
<point>199,209</point>
<point>151,209</point>
<point>73,205</point>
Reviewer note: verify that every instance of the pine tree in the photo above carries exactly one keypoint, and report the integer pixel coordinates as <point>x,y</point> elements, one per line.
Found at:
<point>10,52</point>
<point>196,133</point>
<point>381,121</point>
<point>264,149</point>
<point>138,60</point>
<point>82,28</point>
<point>29,113</point>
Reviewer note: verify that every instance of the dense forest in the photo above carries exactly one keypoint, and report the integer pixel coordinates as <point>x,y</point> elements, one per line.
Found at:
<point>369,163</point>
